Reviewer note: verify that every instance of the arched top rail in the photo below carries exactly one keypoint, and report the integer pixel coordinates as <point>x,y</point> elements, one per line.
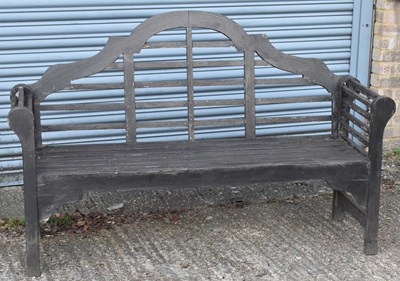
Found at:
<point>195,19</point>
<point>59,77</point>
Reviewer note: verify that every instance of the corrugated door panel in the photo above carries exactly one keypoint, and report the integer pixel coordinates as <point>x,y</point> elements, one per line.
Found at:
<point>37,34</point>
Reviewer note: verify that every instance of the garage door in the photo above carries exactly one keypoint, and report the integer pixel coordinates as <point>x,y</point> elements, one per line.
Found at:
<point>37,34</point>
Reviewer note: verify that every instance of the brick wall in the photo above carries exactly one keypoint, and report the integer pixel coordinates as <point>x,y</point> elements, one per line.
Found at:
<point>385,71</point>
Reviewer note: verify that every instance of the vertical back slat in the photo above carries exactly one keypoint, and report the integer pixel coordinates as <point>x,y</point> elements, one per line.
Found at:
<point>129,91</point>
<point>38,123</point>
<point>249,94</point>
<point>190,96</point>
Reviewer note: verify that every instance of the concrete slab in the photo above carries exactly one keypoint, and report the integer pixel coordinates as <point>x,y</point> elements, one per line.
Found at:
<point>11,202</point>
<point>293,240</point>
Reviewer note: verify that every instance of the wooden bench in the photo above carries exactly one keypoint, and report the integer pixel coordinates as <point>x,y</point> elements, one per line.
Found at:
<point>346,153</point>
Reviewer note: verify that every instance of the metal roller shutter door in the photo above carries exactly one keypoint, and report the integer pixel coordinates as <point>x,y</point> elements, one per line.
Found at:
<point>37,34</point>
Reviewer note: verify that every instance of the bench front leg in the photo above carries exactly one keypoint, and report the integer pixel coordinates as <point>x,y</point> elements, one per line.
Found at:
<point>382,109</point>
<point>32,227</point>
<point>362,120</point>
<point>21,121</point>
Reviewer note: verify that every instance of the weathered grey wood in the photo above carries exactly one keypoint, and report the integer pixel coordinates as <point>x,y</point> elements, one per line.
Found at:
<point>205,122</point>
<point>249,88</point>
<point>313,70</point>
<point>290,119</point>
<point>157,45</point>
<point>190,82</point>
<point>295,81</point>
<point>220,122</point>
<point>149,84</point>
<point>182,64</point>
<point>358,86</point>
<point>156,104</point>
<point>357,109</point>
<point>218,63</point>
<point>60,159</point>
<point>294,99</point>
<point>354,145</point>
<point>155,124</point>
<point>337,108</point>
<point>160,64</point>
<point>349,158</point>
<point>362,138</point>
<point>174,161</point>
<point>362,125</point>
<point>183,83</point>
<point>302,133</point>
<point>20,97</point>
<point>32,229</point>
<point>219,102</point>
<point>37,122</point>
<point>176,83</point>
<point>96,86</point>
<point>382,109</point>
<point>161,84</point>
<point>213,44</point>
<point>355,95</point>
<point>169,83</point>
<point>84,106</point>
<point>85,126</point>
<point>197,19</point>
<point>356,188</point>
<point>214,144</point>
<point>338,212</point>
<point>129,92</point>
<point>22,123</point>
<point>182,44</point>
<point>218,82</point>
<point>350,207</point>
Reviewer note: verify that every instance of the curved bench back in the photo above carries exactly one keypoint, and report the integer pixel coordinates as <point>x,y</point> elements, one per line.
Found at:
<point>120,54</point>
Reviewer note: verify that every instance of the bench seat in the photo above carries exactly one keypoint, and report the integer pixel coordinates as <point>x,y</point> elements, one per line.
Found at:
<point>66,169</point>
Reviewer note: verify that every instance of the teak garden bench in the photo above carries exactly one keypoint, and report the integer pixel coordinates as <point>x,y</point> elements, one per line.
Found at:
<point>348,156</point>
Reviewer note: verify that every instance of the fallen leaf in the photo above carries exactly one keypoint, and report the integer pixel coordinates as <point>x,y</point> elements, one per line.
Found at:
<point>81,223</point>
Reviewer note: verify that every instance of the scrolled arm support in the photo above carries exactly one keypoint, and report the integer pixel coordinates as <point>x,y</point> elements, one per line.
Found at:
<point>363,114</point>
<point>382,109</point>
<point>21,117</point>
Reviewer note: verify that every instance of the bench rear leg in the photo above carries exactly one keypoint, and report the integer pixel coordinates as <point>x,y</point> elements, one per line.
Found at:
<point>338,213</point>
<point>363,206</point>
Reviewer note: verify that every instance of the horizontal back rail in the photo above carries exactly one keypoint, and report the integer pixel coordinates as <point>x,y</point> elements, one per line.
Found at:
<point>182,44</point>
<point>87,126</point>
<point>182,64</point>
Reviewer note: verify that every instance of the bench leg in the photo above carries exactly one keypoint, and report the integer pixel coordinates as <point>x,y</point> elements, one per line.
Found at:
<point>372,220</point>
<point>32,229</point>
<point>32,247</point>
<point>338,213</point>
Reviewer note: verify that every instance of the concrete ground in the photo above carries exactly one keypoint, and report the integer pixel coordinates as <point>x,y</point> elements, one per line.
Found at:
<point>288,240</point>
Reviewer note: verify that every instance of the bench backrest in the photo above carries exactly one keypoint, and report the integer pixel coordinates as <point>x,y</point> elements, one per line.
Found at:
<point>184,83</point>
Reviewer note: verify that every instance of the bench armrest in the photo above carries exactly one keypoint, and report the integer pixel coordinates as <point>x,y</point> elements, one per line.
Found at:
<point>21,117</point>
<point>363,116</point>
